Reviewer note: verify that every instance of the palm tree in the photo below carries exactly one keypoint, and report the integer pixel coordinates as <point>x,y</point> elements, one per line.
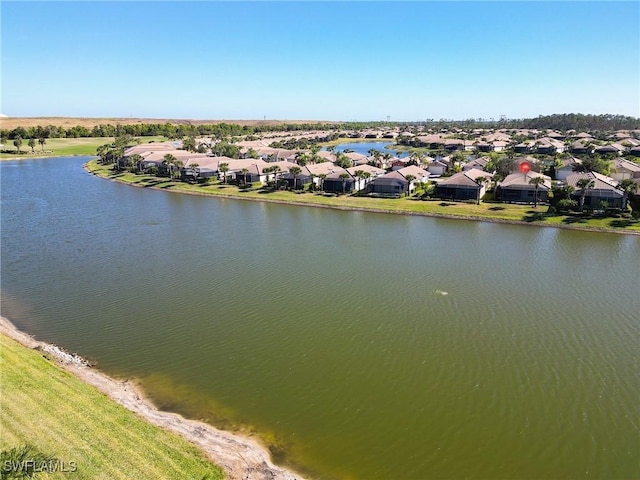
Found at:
<point>169,161</point>
<point>178,164</point>
<point>497,178</point>
<point>359,174</point>
<point>322,176</point>
<point>32,144</point>
<point>136,160</point>
<point>26,462</point>
<point>584,184</point>
<point>629,187</point>
<point>42,140</point>
<point>224,168</point>
<point>376,156</point>
<point>536,181</point>
<point>366,176</point>
<point>244,175</point>
<point>295,171</point>
<point>417,158</point>
<point>344,177</point>
<point>410,178</point>
<point>275,169</point>
<point>101,151</point>
<point>195,168</point>
<point>481,181</point>
<point>302,158</point>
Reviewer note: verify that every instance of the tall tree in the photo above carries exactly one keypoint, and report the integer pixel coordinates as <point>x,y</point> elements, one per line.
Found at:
<point>224,168</point>
<point>17,142</point>
<point>536,182</point>
<point>359,174</point>
<point>410,178</point>
<point>366,176</point>
<point>244,172</point>
<point>169,160</point>
<point>189,144</point>
<point>32,144</point>
<point>136,160</point>
<point>178,164</point>
<point>322,177</point>
<point>344,177</point>
<point>295,171</point>
<point>629,187</point>
<point>584,184</point>
<point>195,168</point>
<point>275,169</point>
<point>42,140</point>
<point>481,181</point>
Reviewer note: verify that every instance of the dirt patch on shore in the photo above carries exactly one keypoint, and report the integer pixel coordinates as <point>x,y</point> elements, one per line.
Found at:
<point>240,457</point>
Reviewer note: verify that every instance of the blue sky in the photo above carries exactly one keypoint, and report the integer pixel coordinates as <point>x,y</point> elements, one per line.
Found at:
<point>319,60</point>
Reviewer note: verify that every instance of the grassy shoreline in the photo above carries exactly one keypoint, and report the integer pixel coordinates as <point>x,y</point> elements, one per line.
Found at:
<point>106,428</point>
<point>89,434</point>
<point>486,212</point>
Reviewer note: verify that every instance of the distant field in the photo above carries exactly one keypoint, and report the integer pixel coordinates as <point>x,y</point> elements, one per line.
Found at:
<point>10,123</point>
<point>66,146</point>
<point>52,410</point>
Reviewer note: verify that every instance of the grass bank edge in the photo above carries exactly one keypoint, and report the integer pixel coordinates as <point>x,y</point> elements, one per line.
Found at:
<point>50,409</point>
<point>488,212</point>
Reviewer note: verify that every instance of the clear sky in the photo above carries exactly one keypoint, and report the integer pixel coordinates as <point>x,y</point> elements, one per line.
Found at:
<point>320,60</point>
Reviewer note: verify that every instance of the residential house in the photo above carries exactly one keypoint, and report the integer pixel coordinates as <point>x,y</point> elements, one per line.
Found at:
<point>580,147</point>
<point>612,148</point>
<point>624,169</point>
<point>635,151</point>
<point>317,171</point>
<point>569,164</point>
<point>339,182</point>
<point>361,183</point>
<point>464,185</point>
<point>357,158</point>
<point>392,183</point>
<point>419,174</point>
<point>517,188</point>
<point>399,163</point>
<point>604,191</point>
<point>453,144</point>
<point>525,147</point>
<point>479,163</point>
<point>437,167</point>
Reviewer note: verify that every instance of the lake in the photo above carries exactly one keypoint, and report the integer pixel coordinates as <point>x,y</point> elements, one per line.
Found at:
<point>359,345</point>
<point>365,147</point>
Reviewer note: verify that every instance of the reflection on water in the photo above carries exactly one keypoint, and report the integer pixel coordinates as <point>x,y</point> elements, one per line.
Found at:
<point>329,332</point>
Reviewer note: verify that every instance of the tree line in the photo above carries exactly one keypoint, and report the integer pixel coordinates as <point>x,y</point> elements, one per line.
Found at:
<point>563,122</point>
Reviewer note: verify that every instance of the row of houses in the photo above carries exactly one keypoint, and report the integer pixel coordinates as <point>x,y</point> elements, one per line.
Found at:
<point>521,188</point>
<point>543,146</point>
<point>397,179</point>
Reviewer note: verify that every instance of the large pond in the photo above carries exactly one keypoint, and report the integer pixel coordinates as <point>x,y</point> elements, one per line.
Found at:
<point>365,147</point>
<point>361,345</point>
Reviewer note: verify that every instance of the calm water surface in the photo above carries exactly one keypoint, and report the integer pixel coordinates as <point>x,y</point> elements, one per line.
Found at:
<point>365,147</point>
<point>360,345</point>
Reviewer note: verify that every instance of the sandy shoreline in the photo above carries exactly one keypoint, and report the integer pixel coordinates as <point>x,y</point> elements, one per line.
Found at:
<point>239,457</point>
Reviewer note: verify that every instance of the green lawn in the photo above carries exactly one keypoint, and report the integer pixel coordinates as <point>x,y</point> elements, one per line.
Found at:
<point>60,147</point>
<point>49,408</point>
<point>484,211</point>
